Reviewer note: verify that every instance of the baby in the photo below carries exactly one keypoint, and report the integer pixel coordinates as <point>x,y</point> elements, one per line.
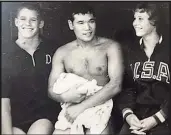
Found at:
<point>95,118</point>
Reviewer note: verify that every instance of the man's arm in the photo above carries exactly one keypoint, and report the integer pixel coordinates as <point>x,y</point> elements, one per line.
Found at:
<point>6,123</point>
<point>127,98</point>
<point>6,83</point>
<point>115,71</point>
<point>70,96</point>
<point>57,69</point>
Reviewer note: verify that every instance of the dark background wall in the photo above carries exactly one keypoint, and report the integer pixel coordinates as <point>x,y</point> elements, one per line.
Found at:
<point>114,20</point>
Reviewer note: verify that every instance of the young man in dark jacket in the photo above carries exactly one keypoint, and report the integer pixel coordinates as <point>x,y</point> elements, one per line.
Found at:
<point>26,107</point>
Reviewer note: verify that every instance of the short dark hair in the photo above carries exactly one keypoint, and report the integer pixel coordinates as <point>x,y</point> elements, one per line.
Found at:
<point>152,9</point>
<point>80,8</point>
<point>30,6</point>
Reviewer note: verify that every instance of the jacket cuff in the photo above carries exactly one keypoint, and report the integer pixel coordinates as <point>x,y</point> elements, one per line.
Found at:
<point>126,112</point>
<point>161,116</point>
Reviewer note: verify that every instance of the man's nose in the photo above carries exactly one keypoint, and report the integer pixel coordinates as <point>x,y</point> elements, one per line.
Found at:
<point>28,22</point>
<point>87,26</point>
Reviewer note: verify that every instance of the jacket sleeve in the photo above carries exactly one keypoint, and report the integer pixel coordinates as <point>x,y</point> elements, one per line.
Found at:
<point>165,107</point>
<point>163,113</point>
<point>5,76</point>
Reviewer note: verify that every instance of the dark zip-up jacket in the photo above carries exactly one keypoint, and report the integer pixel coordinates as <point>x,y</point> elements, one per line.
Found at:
<point>146,80</point>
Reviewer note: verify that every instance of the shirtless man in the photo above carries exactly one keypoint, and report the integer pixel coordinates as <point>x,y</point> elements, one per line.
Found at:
<point>90,57</point>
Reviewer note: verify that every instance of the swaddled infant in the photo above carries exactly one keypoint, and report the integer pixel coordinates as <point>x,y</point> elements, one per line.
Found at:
<point>95,118</point>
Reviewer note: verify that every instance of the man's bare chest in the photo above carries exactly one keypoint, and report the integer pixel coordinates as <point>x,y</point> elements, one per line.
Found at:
<point>86,62</point>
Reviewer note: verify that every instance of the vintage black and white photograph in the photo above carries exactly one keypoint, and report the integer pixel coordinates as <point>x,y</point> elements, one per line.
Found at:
<point>85,67</point>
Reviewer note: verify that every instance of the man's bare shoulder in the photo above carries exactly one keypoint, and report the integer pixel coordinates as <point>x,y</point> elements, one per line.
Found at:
<point>108,43</point>
<point>64,49</point>
<point>114,49</point>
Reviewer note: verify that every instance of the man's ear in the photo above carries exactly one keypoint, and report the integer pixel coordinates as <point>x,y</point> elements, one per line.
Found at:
<point>41,25</point>
<point>70,24</point>
<point>16,22</point>
<point>153,22</point>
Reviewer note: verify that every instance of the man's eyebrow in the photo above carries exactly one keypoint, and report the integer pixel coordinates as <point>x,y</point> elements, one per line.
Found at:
<point>34,17</point>
<point>93,19</point>
<point>80,21</point>
<point>21,16</point>
<point>31,17</point>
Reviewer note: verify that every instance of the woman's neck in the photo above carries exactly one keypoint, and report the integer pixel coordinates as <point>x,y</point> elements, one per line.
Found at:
<point>151,40</point>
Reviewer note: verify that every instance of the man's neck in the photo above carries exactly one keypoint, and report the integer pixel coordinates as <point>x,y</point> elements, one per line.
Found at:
<point>84,44</point>
<point>28,44</point>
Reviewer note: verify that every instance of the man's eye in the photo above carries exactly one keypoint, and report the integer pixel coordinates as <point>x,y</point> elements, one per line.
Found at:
<point>92,21</point>
<point>22,19</point>
<point>80,22</point>
<point>140,19</point>
<point>33,19</point>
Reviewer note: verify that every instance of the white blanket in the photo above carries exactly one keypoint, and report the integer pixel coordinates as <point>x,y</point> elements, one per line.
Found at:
<point>95,118</point>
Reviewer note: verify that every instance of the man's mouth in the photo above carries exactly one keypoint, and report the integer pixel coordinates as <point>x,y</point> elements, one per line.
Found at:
<point>87,33</point>
<point>27,28</point>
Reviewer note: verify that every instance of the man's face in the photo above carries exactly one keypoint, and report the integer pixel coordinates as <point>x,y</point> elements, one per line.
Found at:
<point>28,23</point>
<point>84,26</point>
<point>142,25</point>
